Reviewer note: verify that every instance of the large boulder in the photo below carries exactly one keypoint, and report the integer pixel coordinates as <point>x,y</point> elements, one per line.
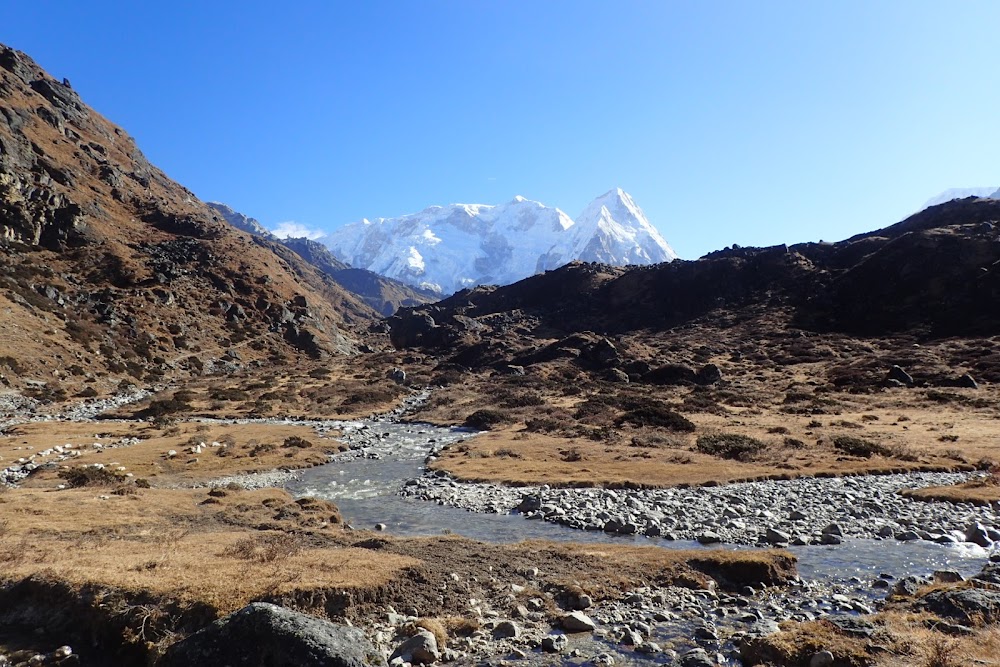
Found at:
<point>265,635</point>
<point>969,606</point>
<point>420,649</point>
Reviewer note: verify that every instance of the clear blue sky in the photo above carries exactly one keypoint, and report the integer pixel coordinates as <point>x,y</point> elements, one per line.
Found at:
<point>729,122</point>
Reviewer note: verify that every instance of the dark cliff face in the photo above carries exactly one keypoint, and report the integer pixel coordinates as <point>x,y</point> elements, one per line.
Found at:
<point>108,265</point>
<point>934,274</point>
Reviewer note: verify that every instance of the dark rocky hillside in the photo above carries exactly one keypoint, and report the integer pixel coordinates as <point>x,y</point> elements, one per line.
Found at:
<point>933,275</point>
<point>110,269</point>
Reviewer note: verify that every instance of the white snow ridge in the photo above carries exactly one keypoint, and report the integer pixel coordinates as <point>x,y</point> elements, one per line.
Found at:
<point>448,248</point>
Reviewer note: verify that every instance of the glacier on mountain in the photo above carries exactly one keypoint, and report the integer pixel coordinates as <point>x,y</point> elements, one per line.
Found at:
<point>448,248</point>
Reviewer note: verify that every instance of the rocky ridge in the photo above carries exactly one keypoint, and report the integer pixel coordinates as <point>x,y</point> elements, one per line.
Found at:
<point>932,275</point>
<point>111,269</point>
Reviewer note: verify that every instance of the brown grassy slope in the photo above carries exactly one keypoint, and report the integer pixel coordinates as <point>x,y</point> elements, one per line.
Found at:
<point>563,423</point>
<point>110,268</point>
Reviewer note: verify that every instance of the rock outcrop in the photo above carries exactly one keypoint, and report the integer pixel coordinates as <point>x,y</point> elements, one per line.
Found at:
<point>265,635</point>
<point>109,267</point>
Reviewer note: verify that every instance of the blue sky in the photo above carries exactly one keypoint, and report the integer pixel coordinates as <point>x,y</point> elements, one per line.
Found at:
<point>729,122</point>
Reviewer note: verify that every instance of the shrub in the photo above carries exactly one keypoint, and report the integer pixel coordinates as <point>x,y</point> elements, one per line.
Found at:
<point>660,417</point>
<point>11,363</point>
<point>507,453</point>
<point>853,446</point>
<point>227,394</point>
<point>262,448</point>
<point>520,400</point>
<point>88,476</point>
<point>296,441</point>
<point>571,455</point>
<point>486,419</point>
<point>730,446</point>
<point>163,408</point>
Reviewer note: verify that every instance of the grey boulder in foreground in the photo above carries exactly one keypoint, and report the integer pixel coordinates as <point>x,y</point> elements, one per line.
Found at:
<point>265,635</point>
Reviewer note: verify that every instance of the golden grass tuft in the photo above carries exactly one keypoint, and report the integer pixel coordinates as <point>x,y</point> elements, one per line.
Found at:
<point>432,625</point>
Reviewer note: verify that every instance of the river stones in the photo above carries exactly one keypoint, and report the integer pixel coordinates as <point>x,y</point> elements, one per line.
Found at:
<point>697,658</point>
<point>555,643</point>
<point>577,621</point>
<point>976,533</point>
<point>420,649</point>
<point>773,536</point>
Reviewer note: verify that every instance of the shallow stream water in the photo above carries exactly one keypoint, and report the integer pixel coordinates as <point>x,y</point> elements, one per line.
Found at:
<point>365,484</point>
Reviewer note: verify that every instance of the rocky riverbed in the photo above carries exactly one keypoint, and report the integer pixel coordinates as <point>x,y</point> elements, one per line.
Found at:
<point>807,511</point>
<point>844,519</point>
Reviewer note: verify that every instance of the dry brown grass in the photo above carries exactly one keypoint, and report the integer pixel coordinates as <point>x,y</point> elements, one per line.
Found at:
<point>171,543</point>
<point>903,639</point>
<point>977,492</point>
<point>245,448</point>
<point>515,457</point>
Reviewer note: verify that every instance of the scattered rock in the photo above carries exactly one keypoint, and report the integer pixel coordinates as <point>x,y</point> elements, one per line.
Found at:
<point>967,381</point>
<point>420,649</point>
<point>969,606</point>
<point>577,621</point>
<point>977,534</point>
<point>507,630</point>
<point>821,659</point>
<point>899,375</point>
<point>853,626</point>
<point>555,643</point>
<point>708,374</point>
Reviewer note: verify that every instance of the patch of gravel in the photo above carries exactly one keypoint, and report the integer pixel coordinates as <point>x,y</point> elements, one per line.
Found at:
<point>257,480</point>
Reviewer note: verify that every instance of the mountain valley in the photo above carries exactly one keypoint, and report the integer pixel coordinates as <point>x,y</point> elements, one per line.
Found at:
<point>222,447</point>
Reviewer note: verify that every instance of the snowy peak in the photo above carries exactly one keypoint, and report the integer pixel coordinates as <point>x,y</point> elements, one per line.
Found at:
<point>614,230</point>
<point>448,248</point>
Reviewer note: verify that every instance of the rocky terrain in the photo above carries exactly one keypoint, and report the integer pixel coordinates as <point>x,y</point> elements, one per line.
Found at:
<point>112,271</point>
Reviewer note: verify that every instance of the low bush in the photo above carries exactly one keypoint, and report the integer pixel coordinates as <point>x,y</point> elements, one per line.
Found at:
<point>487,419</point>
<point>89,476</point>
<point>730,446</point>
<point>852,446</point>
<point>657,416</point>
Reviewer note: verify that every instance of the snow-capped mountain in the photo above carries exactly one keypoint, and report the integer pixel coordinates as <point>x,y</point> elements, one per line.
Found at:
<point>960,193</point>
<point>448,248</point>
